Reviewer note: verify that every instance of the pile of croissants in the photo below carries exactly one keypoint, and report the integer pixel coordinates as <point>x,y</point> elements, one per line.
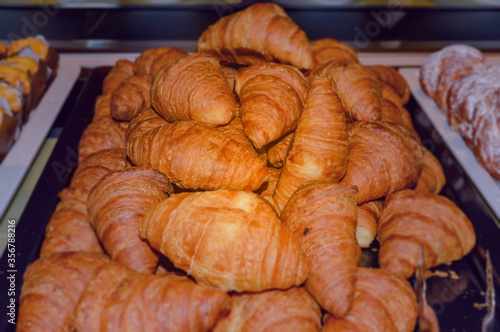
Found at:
<point>27,66</point>
<point>231,190</point>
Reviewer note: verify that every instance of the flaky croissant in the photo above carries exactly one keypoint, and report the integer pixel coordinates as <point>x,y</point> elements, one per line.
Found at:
<point>357,87</point>
<point>234,240</point>
<point>383,158</point>
<point>328,49</point>
<point>197,156</point>
<point>193,88</point>
<point>323,217</point>
<point>382,302</point>
<point>366,229</point>
<point>431,178</point>
<point>277,150</point>
<point>152,59</point>
<point>119,299</point>
<point>262,32</point>
<point>267,189</point>
<point>132,96</point>
<point>411,218</point>
<point>120,71</point>
<point>69,228</point>
<point>117,204</point>
<point>274,310</point>
<point>320,148</point>
<point>394,79</point>
<point>271,100</point>
<point>51,288</point>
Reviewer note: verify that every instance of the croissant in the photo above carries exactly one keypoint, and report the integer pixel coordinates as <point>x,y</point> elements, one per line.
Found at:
<point>376,169</point>
<point>51,288</point>
<point>394,79</point>
<point>103,133</point>
<point>382,302</point>
<point>266,191</point>
<point>391,105</point>
<point>193,88</point>
<point>120,71</point>
<point>368,214</point>
<point>432,178</point>
<point>320,148</point>
<point>40,47</point>
<point>195,155</point>
<point>97,165</point>
<point>274,310</point>
<point>271,100</point>
<point>69,228</point>
<point>262,32</point>
<point>328,49</point>
<point>119,299</point>
<point>357,87</point>
<point>277,150</point>
<point>144,122</point>
<point>131,97</point>
<point>323,217</point>
<point>152,59</point>
<point>436,222</point>
<point>115,207</point>
<point>432,66</point>
<point>235,240</point>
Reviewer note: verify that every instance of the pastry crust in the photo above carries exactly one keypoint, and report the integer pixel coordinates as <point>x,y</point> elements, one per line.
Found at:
<point>120,71</point>
<point>277,150</point>
<point>368,215</point>
<point>432,178</point>
<point>394,79</point>
<point>328,49</point>
<point>152,59</point>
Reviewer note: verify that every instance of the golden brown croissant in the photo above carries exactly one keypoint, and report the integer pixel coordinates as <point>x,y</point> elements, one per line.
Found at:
<point>132,96</point>
<point>266,191</point>
<point>383,158</point>
<point>117,204</point>
<point>271,100</point>
<point>235,240</point>
<point>432,178</point>
<point>236,132</point>
<point>119,299</point>
<point>323,217</point>
<point>328,49</point>
<point>357,87</point>
<point>103,133</point>
<point>274,310</point>
<point>262,32</point>
<point>320,148</point>
<point>69,228</point>
<point>193,88</point>
<point>394,79</point>
<point>382,302</point>
<point>277,150</point>
<point>120,71</point>
<point>152,59</point>
<point>145,121</point>
<point>411,218</point>
<point>51,288</point>
<point>197,156</point>
<point>390,105</point>
<point>368,214</point>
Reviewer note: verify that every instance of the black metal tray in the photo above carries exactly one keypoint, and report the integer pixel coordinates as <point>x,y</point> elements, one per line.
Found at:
<point>455,300</point>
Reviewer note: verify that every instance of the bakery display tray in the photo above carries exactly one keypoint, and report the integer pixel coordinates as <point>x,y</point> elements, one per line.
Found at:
<point>456,292</point>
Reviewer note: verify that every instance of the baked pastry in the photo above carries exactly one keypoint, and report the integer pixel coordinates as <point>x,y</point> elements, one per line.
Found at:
<point>274,310</point>
<point>19,80</point>
<point>320,148</point>
<point>357,87</point>
<point>323,217</point>
<point>12,101</point>
<point>266,191</point>
<point>2,50</point>
<point>235,241</point>
<point>121,70</point>
<point>282,89</point>
<point>277,150</point>
<point>394,79</point>
<point>119,299</point>
<point>376,170</point>
<point>132,96</point>
<point>117,204</point>
<point>152,59</point>
<point>366,229</point>
<point>51,288</point>
<point>328,49</point>
<point>250,36</point>
<point>193,88</point>
<point>410,219</point>
<point>433,65</point>
<point>431,178</point>
<point>376,307</point>
<point>9,126</point>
